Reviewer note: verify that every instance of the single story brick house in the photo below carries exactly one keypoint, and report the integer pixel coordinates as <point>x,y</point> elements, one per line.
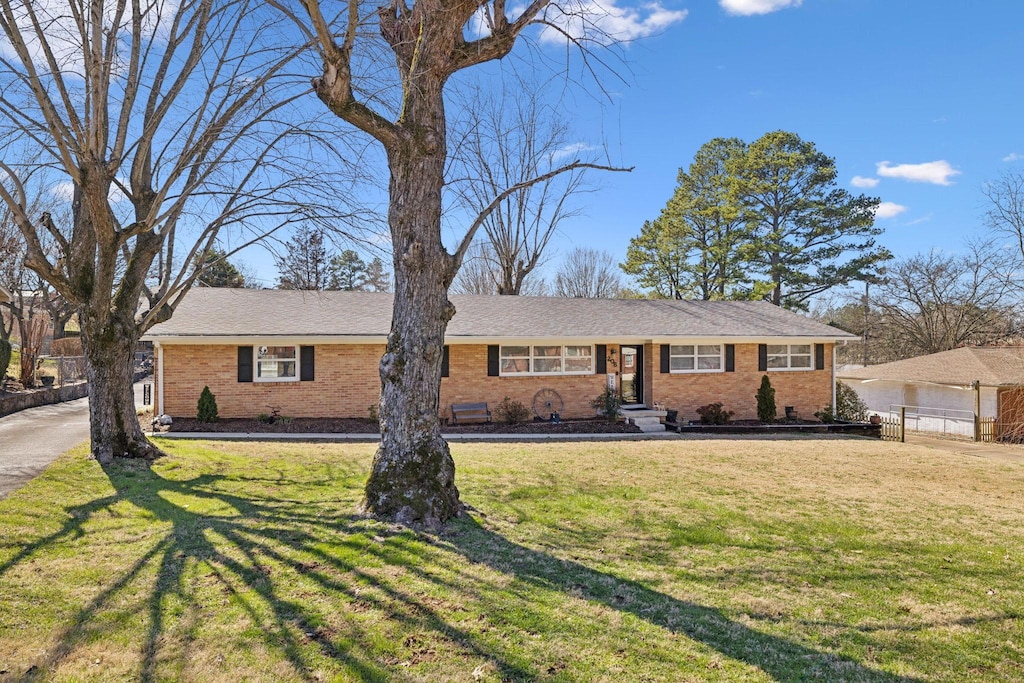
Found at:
<point>316,354</point>
<point>939,392</point>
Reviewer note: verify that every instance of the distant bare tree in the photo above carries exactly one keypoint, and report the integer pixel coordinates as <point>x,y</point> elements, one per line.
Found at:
<point>481,274</point>
<point>513,137</point>
<point>935,302</point>
<point>588,274</point>
<point>1005,215</point>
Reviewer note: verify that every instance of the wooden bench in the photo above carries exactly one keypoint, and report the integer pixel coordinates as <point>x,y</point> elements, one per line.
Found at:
<point>470,411</point>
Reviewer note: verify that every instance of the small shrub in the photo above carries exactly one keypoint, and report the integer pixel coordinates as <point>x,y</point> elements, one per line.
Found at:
<point>849,406</point>
<point>766,401</point>
<point>372,410</point>
<point>206,411</point>
<point>607,404</point>
<point>5,356</point>
<point>712,414</point>
<point>511,412</point>
<point>265,419</point>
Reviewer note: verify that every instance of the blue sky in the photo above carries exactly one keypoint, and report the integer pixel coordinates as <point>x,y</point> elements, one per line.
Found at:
<point>920,102</point>
<point>868,81</point>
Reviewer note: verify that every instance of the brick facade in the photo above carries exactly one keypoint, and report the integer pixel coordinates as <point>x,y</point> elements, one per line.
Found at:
<point>347,383</point>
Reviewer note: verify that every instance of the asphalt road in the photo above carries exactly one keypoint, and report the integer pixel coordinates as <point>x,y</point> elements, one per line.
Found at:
<point>31,439</point>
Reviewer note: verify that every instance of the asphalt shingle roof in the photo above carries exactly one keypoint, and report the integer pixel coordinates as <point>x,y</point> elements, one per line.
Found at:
<point>218,312</point>
<point>990,365</point>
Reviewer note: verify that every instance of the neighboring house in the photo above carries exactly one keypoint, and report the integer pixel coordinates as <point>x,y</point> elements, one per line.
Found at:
<point>5,296</point>
<point>939,389</point>
<point>316,354</point>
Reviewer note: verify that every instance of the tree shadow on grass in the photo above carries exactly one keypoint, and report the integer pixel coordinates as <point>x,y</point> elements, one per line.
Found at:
<point>781,659</point>
<point>256,548</point>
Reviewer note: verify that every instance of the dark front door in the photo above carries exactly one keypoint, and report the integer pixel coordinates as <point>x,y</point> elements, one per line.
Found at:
<point>632,374</point>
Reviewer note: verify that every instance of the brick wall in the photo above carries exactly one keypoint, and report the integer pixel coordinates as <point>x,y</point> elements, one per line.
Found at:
<point>468,383</point>
<point>806,390</point>
<point>347,383</point>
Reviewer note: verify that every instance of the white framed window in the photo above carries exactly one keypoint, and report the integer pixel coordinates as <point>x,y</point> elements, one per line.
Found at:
<point>696,358</point>
<point>790,357</point>
<point>277,364</point>
<point>546,359</point>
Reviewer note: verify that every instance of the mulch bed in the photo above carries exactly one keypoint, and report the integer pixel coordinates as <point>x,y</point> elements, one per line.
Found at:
<point>304,425</point>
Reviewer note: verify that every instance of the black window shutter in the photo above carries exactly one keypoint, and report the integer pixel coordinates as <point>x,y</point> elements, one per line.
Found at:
<point>665,362</point>
<point>444,361</point>
<point>601,351</point>
<point>492,360</point>
<point>306,364</point>
<point>244,363</point>
<point>730,358</point>
<point>819,356</point>
<point>762,357</point>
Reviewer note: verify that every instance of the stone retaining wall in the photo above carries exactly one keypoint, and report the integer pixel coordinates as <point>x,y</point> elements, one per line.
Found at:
<point>12,403</point>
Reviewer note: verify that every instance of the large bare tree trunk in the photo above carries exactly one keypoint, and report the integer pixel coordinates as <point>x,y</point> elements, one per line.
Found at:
<point>109,347</point>
<point>413,477</point>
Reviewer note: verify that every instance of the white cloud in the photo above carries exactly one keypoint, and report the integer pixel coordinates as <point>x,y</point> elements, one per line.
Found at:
<point>889,210</point>
<point>747,8</point>
<point>1013,156</point>
<point>935,172</point>
<point>861,181</point>
<point>604,22</point>
<point>572,150</point>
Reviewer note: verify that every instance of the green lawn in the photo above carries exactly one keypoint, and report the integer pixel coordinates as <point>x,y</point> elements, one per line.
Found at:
<point>698,560</point>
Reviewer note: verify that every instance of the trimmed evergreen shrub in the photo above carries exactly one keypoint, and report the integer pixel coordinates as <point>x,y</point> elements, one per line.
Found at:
<point>766,401</point>
<point>206,411</point>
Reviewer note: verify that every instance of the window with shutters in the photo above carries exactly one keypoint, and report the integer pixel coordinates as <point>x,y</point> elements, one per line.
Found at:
<point>696,358</point>
<point>277,364</point>
<point>790,357</point>
<point>546,359</point>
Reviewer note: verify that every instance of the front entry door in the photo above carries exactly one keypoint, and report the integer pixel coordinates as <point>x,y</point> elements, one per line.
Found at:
<point>632,375</point>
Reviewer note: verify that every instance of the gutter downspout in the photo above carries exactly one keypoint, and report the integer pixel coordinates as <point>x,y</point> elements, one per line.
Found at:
<point>159,378</point>
<point>835,408</point>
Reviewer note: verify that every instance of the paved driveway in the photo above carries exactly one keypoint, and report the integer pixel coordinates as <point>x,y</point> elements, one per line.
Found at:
<point>31,439</point>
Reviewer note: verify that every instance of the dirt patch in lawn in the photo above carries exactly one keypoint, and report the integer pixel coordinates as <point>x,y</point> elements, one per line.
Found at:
<point>304,425</point>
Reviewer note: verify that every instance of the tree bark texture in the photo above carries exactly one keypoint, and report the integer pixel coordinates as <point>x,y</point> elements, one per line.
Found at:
<point>109,347</point>
<point>413,476</point>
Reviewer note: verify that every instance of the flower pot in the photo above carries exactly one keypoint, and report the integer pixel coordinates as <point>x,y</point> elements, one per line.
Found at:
<point>47,381</point>
<point>875,419</point>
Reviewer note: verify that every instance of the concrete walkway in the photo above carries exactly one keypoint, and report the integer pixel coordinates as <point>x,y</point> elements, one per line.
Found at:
<point>31,439</point>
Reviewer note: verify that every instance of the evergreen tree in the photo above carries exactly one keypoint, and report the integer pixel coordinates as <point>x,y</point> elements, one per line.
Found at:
<point>217,271</point>
<point>708,220</point>
<point>348,272</point>
<point>807,234</point>
<point>657,258</point>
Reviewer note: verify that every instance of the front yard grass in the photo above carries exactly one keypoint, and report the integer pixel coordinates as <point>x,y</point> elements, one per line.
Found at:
<point>710,559</point>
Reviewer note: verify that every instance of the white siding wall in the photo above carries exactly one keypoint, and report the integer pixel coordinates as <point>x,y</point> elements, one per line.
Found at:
<point>940,408</point>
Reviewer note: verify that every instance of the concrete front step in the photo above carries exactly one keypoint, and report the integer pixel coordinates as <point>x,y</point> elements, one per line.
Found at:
<point>647,423</point>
